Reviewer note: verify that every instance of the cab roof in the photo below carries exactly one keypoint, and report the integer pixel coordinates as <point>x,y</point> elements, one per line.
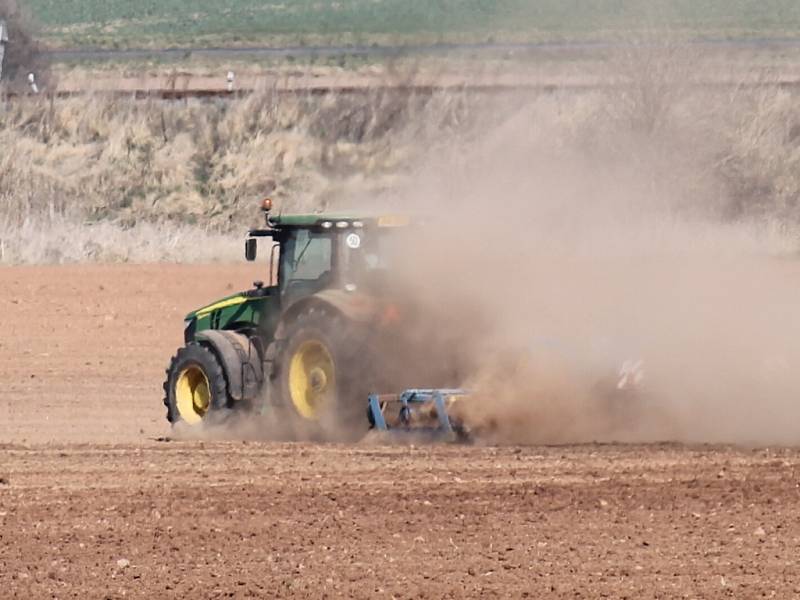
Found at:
<point>313,219</point>
<point>317,219</point>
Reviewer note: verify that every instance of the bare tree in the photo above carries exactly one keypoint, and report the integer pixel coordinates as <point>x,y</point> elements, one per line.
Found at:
<point>3,40</point>
<point>21,50</point>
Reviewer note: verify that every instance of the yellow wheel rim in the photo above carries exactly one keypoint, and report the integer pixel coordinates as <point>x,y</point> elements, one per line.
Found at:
<point>192,394</point>
<point>312,379</point>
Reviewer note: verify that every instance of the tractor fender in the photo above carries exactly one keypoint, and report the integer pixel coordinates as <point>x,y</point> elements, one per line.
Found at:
<point>240,359</point>
<point>355,307</point>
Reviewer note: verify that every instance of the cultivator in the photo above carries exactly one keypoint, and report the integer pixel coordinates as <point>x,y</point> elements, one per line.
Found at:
<point>429,413</point>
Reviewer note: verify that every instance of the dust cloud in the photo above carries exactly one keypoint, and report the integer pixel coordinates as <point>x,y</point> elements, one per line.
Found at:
<point>616,300</point>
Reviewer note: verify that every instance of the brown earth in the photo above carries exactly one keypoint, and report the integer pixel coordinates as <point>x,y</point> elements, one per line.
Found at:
<point>93,505</point>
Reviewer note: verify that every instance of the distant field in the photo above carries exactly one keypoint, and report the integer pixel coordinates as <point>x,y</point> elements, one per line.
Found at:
<point>132,23</point>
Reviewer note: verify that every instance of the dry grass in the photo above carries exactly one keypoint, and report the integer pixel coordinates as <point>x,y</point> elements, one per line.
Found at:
<point>94,170</point>
<point>62,240</point>
<point>196,161</point>
<point>201,164</point>
<point>112,167</point>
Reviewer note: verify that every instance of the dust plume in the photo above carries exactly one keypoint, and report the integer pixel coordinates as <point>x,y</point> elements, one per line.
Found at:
<point>619,299</point>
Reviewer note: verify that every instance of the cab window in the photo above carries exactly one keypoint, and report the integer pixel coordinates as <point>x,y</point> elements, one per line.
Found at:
<point>307,261</point>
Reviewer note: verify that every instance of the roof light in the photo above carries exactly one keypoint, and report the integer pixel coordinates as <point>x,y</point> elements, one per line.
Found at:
<point>342,224</point>
<point>326,224</point>
<point>358,224</point>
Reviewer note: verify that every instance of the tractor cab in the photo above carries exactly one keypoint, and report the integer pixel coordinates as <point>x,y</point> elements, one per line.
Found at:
<point>311,253</point>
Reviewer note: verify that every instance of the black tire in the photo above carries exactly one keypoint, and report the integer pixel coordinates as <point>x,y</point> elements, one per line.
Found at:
<point>342,416</point>
<point>194,359</point>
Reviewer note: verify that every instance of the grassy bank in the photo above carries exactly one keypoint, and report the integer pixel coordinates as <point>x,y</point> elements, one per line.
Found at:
<point>80,164</point>
<point>156,171</point>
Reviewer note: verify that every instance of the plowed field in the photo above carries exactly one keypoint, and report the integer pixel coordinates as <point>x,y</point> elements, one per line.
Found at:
<point>93,505</point>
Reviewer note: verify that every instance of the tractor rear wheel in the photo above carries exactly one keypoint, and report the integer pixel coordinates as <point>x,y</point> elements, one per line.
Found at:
<point>320,377</point>
<point>195,389</point>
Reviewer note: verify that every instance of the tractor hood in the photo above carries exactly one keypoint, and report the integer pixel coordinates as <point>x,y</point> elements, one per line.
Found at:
<point>244,310</point>
<point>227,302</point>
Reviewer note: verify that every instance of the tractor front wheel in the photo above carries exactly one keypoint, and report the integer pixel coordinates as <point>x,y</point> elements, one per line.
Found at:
<point>195,389</point>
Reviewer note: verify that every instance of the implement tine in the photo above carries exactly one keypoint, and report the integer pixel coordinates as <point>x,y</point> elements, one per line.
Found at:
<point>441,411</point>
<point>376,412</point>
<point>412,412</point>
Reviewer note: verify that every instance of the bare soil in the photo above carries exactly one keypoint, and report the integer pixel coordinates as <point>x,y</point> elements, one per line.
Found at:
<point>92,504</point>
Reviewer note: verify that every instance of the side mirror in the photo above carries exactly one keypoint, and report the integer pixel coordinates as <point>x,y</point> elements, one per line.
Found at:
<point>250,249</point>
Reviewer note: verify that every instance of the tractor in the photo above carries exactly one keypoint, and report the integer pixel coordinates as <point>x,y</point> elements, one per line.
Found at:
<point>312,343</point>
<point>337,342</point>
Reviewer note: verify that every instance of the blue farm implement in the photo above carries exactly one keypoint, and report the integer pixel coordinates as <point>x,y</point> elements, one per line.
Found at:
<point>419,413</point>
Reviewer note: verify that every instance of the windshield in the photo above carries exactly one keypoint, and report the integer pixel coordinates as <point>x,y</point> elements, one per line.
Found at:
<point>306,263</point>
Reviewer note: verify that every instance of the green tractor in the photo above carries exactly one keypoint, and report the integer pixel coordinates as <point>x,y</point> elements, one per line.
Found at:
<point>305,345</point>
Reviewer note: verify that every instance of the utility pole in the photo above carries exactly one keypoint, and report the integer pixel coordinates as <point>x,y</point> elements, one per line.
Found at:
<point>3,42</point>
